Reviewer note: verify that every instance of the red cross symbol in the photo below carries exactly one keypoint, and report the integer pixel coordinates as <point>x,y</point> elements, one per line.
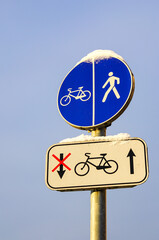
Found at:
<point>61,162</point>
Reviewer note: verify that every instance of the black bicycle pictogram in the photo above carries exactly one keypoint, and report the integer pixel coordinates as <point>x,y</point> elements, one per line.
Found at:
<point>109,166</point>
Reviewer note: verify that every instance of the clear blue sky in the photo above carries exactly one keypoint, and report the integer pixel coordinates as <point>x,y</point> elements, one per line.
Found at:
<point>40,43</point>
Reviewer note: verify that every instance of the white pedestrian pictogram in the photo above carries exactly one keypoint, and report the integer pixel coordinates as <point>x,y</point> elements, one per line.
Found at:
<point>111,81</point>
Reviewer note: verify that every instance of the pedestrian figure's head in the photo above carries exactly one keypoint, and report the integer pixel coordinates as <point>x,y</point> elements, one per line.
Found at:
<point>110,74</point>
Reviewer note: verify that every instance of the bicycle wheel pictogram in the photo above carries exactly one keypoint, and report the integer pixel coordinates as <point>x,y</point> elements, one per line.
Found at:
<point>81,169</point>
<point>65,100</point>
<point>86,95</point>
<point>112,168</point>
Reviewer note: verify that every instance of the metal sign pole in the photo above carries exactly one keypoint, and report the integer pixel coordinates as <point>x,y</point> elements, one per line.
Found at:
<point>98,206</point>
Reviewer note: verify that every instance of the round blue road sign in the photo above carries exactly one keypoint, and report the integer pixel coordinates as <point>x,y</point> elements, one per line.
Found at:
<point>95,93</point>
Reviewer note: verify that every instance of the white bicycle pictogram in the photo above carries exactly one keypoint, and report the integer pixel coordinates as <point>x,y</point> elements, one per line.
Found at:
<point>77,94</point>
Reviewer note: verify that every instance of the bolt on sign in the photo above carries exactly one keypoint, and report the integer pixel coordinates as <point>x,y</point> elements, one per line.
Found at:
<point>102,164</point>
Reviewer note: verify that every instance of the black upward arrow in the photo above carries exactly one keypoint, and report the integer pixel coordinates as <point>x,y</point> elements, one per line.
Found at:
<point>61,172</point>
<point>131,154</point>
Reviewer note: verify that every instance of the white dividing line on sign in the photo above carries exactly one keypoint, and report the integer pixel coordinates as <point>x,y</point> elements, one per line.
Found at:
<point>93,69</point>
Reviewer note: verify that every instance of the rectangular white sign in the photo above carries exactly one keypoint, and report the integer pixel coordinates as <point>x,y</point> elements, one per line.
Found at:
<point>102,164</point>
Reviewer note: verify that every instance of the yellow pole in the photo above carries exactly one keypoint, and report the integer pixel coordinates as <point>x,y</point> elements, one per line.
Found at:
<point>98,206</point>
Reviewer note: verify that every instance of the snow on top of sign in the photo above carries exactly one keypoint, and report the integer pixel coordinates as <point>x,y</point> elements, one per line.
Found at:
<point>98,55</point>
<point>82,137</point>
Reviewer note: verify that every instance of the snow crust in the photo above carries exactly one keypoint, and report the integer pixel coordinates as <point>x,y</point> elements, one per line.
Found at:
<point>98,55</point>
<point>83,138</point>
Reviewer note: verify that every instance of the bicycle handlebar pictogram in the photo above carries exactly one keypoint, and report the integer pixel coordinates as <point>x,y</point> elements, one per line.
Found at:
<point>83,168</point>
